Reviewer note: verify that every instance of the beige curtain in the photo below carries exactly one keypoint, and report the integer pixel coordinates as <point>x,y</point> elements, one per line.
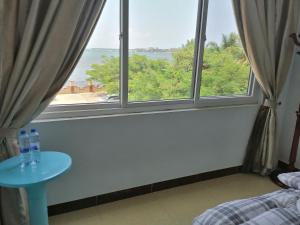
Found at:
<point>40,43</point>
<point>264,27</point>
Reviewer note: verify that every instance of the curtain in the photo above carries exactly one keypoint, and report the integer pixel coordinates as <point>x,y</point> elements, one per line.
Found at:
<point>264,27</point>
<point>40,43</point>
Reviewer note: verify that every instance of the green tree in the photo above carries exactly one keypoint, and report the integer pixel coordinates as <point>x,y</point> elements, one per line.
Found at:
<point>106,73</point>
<point>213,46</point>
<point>230,40</point>
<point>146,78</point>
<point>225,72</point>
<point>226,69</point>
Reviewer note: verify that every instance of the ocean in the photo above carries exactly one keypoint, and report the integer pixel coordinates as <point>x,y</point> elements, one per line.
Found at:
<point>95,55</point>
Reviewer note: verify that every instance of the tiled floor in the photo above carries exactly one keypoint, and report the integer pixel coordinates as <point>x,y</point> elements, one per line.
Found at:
<point>177,206</point>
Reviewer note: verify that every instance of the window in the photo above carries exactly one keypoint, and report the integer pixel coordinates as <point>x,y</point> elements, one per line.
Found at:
<point>97,72</point>
<point>162,53</point>
<point>161,49</point>
<point>225,69</point>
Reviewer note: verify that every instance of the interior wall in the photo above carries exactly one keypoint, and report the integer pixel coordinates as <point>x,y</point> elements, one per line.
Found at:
<point>291,101</point>
<point>124,151</point>
<point>291,104</point>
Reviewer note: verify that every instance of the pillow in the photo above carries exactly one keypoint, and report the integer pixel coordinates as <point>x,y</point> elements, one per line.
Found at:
<point>290,179</point>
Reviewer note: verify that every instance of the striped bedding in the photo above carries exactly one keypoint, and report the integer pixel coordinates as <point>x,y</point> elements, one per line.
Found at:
<point>277,208</point>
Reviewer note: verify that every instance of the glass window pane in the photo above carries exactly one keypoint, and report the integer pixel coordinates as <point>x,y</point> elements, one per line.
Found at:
<point>95,78</point>
<point>225,68</point>
<point>161,49</point>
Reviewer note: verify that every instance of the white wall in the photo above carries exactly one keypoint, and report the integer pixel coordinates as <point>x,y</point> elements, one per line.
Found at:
<point>291,101</point>
<point>114,153</point>
<point>291,104</point>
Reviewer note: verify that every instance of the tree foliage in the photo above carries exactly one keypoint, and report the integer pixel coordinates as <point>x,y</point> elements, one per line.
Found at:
<point>225,71</point>
<point>107,73</point>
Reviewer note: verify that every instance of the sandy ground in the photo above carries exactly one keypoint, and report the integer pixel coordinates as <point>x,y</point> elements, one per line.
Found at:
<point>78,98</point>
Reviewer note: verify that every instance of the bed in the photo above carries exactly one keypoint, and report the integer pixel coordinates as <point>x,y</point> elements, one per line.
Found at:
<point>277,208</point>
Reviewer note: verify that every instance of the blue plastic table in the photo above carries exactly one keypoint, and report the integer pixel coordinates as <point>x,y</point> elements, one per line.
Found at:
<point>34,179</point>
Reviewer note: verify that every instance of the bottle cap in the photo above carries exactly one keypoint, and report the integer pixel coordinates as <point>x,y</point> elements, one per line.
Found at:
<point>33,130</point>
<point>23,132</point>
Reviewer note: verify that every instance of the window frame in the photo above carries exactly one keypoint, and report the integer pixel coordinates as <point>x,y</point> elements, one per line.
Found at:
<point>124,106</point>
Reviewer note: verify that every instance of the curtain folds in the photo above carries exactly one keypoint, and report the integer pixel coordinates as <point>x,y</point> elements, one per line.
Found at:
<point>40,43</point>
<point>264,27</point>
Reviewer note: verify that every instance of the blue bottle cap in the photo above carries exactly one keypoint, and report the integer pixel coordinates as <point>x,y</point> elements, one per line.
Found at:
<point>23,132</point>
<point>33,130</point>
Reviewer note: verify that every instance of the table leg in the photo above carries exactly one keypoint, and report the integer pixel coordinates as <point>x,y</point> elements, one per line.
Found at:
<point>37,201</point>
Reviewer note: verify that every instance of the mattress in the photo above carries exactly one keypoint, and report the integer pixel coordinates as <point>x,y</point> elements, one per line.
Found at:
<point>277,208</point>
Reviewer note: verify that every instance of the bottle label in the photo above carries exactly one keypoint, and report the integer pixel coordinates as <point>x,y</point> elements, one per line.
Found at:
<point>34,147</point>
<point>24,150</point>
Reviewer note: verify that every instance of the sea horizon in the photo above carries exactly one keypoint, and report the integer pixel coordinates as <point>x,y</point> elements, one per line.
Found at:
<point>95,56</point>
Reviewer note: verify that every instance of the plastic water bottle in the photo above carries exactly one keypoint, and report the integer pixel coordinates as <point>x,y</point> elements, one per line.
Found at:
<point>24,146</point>
<point>34,138</point>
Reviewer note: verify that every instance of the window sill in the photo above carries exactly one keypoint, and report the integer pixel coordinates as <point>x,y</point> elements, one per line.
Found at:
<point>58,113</point>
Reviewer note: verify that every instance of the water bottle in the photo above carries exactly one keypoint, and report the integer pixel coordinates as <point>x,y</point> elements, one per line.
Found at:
<point>34,138</point>
<point>24,146</point>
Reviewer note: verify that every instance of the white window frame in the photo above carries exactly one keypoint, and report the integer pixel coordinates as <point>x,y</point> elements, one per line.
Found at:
<point>195,102</point>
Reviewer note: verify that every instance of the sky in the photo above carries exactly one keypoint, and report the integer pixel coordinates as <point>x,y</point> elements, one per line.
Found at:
<point>161,23</point>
